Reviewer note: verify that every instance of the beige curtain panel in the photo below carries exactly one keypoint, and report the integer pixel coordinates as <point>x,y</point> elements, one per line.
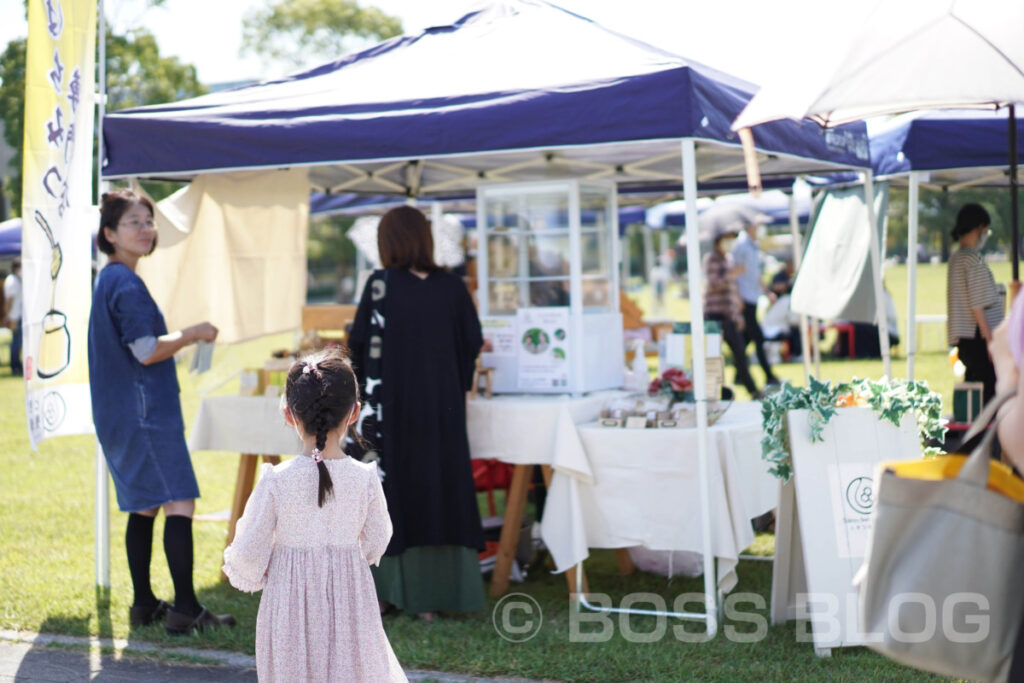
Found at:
<point>232,250</point>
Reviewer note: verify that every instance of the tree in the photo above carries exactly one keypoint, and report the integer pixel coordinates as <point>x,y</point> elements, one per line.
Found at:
<point>12,113</point>
<point>298,32</point>
<point>136,75</point>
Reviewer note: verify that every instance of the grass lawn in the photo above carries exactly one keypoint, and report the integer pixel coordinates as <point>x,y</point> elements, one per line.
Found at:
<point>46,562</point>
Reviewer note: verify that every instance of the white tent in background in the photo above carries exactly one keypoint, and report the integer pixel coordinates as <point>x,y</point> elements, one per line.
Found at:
<point>917,54</point>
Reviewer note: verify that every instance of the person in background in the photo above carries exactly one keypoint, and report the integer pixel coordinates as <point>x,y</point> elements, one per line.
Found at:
<point>12,315</point>
<point>414,345</point>
<point>137,413</point>
<point>782,281</point>
<point>747,256</point>
<point>660,276</point>
<point>781,324</point>
<point>722,303</point>
<point>973,304</point>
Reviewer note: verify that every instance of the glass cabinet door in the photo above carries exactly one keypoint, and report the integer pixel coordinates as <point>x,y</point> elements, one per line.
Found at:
<point>529,254</point>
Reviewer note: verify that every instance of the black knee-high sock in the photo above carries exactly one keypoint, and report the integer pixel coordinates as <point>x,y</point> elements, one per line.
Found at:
<point>178,548</point>
<point>138,541</point>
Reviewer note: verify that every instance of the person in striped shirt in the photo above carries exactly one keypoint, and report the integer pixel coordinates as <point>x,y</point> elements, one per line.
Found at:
<point>722,303</point>
<point>973,303</point>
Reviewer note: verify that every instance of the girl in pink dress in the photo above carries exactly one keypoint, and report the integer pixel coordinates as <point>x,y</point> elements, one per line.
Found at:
<point>310,531</point>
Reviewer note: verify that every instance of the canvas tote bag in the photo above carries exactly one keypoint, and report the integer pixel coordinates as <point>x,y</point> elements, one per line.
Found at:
<point>941,587</point>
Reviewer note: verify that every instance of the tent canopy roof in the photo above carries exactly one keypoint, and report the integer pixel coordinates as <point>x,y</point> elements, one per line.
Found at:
<point>518,90</point>
<point>958,148</point>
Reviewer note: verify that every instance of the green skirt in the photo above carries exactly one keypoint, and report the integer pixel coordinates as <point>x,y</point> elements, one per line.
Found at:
<point>431,579</point>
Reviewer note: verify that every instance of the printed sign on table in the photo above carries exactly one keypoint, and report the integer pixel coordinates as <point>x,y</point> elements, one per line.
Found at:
<point>543,347</point>
<point>501,333</point>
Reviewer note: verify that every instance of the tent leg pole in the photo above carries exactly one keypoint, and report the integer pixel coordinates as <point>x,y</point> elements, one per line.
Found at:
<point>648,254</point>
<point>102,520</point>
<point>700,385</point>
<point>1014,199</point>
<point>798,250</point>
<point>624,255</point>
<point>912,218</point>
<point>881,319</point>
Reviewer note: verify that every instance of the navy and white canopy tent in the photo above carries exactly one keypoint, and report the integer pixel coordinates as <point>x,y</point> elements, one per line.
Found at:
<point>956,148</point>
<point>518,90</point>
<point>10,237</point>
<point>941,149</point>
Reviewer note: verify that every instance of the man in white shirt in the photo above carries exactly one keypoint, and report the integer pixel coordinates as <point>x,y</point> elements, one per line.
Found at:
<point>12,314</point>
<point>747,256</point>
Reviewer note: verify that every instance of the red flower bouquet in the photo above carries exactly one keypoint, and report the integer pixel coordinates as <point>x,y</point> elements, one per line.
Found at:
<point>673,382</point>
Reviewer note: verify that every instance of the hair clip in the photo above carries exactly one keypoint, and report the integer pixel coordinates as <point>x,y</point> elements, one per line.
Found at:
<point>318,455</point>
<point>308,367</point>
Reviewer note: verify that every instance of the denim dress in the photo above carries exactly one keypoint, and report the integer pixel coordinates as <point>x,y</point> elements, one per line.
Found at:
<point>136,408</point>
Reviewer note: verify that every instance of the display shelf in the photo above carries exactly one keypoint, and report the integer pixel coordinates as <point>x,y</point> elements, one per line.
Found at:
<point>549,258</point>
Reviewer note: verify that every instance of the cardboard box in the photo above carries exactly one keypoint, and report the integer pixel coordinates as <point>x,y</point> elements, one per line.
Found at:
<point>967,401</point>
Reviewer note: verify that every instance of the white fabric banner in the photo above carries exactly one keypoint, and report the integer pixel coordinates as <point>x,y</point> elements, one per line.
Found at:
<point>58,216</point>
<point>232,250</point>
<point>835,280</point>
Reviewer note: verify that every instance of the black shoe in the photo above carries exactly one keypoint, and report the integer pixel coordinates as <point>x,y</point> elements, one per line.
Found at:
<point>183,624</point>
<point>144,615</point>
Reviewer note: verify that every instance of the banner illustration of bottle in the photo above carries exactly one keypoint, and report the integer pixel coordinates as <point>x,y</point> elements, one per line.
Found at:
<point>55,344</point>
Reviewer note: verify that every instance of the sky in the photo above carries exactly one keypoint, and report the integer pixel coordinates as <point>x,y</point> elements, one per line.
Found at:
<point>758,40</point>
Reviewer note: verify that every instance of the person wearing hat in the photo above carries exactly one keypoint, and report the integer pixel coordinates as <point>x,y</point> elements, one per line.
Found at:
<point>974,307</point>
<point>723,304</point>
<point>747,256</point>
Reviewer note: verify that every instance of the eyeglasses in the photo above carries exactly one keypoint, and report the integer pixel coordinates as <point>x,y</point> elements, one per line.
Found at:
<point>136,224</point>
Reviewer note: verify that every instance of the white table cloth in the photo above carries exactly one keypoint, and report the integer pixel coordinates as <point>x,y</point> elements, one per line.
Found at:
<point>243,424</point>
<point>522,429</point>
<point>616,488</point>
<point>513,429</point>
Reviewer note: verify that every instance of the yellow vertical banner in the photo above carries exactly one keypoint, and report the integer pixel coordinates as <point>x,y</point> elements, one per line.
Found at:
<point>58,215</point>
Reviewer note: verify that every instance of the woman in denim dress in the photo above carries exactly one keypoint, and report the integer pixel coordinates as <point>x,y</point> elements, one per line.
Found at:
<point>137,414</point>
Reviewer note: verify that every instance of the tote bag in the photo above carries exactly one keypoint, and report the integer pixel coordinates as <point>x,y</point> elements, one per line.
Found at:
<point>941,587</point>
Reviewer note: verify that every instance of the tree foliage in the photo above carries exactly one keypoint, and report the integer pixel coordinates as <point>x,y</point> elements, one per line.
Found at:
<point>12,114</point>
<point>136,75</point>
<point>937,215</point>
<point>298,32</point>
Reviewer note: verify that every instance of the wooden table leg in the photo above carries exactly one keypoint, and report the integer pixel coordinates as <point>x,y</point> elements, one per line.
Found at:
<point>626,566</point>
<point>243,487</point>
<point>514,506</point>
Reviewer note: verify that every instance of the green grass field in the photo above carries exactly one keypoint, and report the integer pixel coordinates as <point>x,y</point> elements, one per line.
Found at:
<point>47,562</point>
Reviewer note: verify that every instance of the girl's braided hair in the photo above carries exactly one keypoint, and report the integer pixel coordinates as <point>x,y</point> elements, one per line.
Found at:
<point>320,391</point>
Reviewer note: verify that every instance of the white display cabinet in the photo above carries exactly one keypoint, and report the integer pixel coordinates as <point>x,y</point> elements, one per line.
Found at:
<point>548,267</point>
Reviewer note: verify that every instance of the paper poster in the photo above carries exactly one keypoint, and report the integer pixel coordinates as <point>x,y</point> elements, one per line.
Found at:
<point>542,345</point>
<point>501,334</point>
<point>852,497</point>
